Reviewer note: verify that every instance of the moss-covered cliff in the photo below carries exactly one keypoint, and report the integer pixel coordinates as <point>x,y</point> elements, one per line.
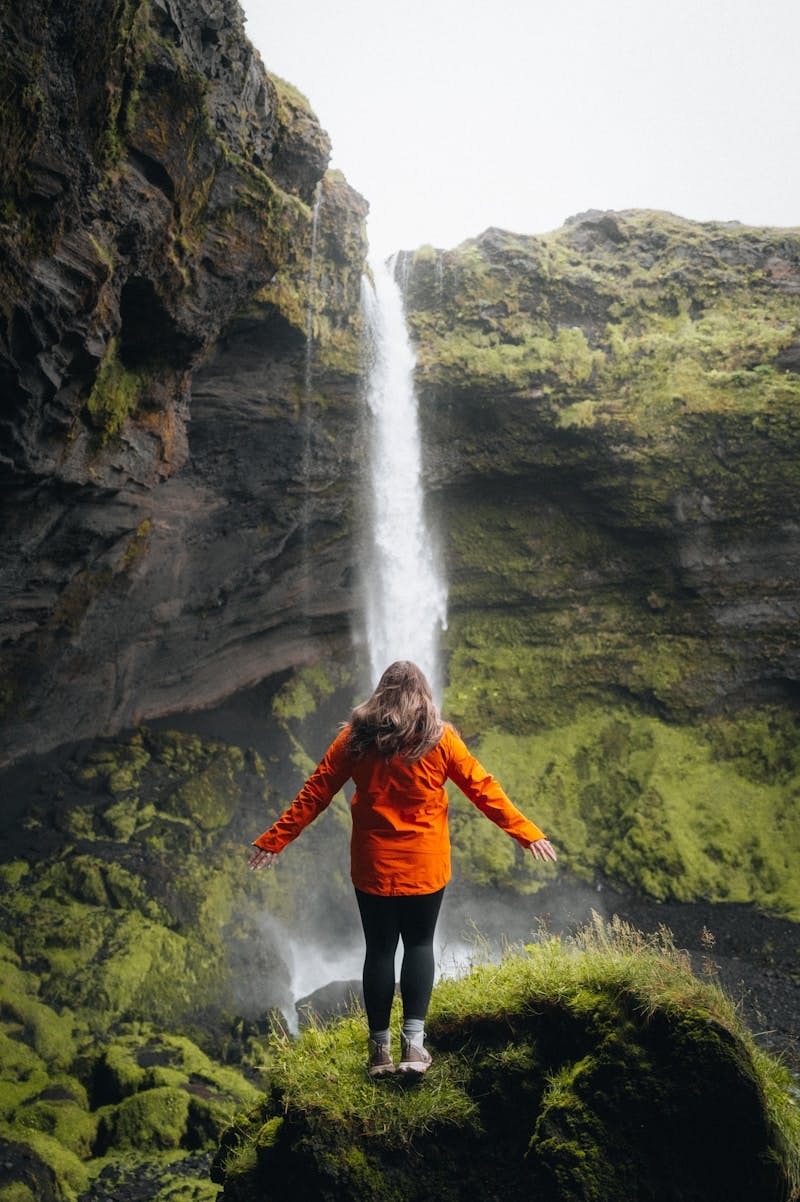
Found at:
<point>140,961</point>
<point>612,421</point>
<point>599,1072</point>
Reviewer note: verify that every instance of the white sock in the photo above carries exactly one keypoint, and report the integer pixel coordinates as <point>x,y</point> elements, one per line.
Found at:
<point>414,1030</point>
<point>381,1036</point>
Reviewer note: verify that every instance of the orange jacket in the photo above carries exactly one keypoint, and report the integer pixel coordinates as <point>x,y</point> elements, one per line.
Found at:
<point>400,842</point>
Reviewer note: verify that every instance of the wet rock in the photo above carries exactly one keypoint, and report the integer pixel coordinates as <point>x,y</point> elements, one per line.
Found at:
<point>157,204</point>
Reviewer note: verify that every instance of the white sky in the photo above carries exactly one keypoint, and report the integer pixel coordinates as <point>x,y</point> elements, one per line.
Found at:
<point>454,115</point>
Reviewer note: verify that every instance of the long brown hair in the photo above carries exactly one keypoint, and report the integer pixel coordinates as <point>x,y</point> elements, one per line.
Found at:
<point>400,718</point>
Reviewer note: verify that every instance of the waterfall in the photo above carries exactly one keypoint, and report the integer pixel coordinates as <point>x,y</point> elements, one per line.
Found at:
<point>405,592</point>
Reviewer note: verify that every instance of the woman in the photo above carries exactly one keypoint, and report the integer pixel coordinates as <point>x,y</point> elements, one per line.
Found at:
<point>399,753</point>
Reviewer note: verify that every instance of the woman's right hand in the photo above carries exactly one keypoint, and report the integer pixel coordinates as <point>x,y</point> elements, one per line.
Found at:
<point>261,859</point>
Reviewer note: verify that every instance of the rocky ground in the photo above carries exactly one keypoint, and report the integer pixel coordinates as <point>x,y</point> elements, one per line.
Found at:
<point>755,957</point>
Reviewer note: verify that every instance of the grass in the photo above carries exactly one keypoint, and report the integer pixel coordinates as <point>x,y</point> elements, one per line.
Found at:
<point>610,957</point>
<point>323,1072</point>
<point>530,1034</point>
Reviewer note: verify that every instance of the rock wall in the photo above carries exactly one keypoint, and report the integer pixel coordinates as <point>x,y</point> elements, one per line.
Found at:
<point>162,263</point>
<point>614,409</point>
<point>612,419</point>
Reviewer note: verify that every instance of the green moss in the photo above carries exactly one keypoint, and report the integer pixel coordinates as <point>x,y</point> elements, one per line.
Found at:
<point>302,694</point>
<point>138,544</point>
<point>70,1172</point>
<point>654,806</point>
<point>309,293</point>
<point>24,1073</point>
<point>50,1035</point>
<point>290,101</point>
<point>570,1071</point>
<point>16,1191</point>
<point>113,932</point>
<point>64,1120</point>
<point>209,797</point>
<point>634,358</point>
<point>143,1058</point>
<point>156,1118</point>
<point>75,600</point>
<point>116,393</point>
<point>11,876</point>
<point>145,960</point>
<point>187,1189</point>
<point>573,1143</point>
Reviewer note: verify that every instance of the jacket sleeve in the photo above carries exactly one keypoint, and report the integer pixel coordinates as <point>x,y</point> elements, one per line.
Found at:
<point>315,796</point>
<point>485,792</point>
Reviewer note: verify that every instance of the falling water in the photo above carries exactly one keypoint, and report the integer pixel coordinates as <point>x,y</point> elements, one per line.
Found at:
<point>405,593</point>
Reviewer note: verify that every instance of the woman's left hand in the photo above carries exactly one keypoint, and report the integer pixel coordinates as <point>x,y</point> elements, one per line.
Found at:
<point>543,849</point>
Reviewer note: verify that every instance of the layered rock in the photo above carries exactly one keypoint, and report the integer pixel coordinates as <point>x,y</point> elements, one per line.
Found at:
<point>165,205</point>
<point>611,417</point>
<point>622,399</point>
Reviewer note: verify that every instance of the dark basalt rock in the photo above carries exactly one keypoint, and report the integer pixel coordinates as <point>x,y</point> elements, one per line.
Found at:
<point>22,1170</point>
<point>156,224</point>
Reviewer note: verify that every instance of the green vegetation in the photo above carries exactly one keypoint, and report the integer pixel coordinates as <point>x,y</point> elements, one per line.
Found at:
<point>116,952</point>
<point>115,395</point>
<point>676,812</point>
<point>332,262</point>
<point>590,706</point>
<point>570,1070</point>
<point>649,353</point>
<point>662,308</point>
<point>620,403</point>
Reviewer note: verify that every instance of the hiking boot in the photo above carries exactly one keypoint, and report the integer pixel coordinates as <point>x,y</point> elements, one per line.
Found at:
<point>415,1058</point>
<point>380,1059</point>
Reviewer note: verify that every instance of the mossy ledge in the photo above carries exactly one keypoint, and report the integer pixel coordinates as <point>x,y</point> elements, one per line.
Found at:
<point>599,1068</point>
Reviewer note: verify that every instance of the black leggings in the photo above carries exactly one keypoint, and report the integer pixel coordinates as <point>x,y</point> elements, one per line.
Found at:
<point>385,920</point>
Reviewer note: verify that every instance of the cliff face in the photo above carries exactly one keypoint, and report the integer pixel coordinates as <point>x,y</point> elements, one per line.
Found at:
<point>162,262</point>
<point>612,417</point>
<point>614,407</point>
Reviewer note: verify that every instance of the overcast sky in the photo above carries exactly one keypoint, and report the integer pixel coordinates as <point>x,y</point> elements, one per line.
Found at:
<point>453,115</point>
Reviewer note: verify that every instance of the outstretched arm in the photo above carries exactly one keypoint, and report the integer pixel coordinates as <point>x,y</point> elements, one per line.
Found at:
<point>486,793</point>
<point>315,795</point>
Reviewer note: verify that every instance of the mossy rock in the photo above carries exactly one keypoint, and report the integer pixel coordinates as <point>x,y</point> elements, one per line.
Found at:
<point>209,798</point>
<point>112,927</point>
<point>145,1058</point>
<point>25,1176</point>
<point>686,813</point>
<point>62,1118</point>
<point>565,1073</point>
<point>51,1167</point>
<point>157,1118</point>
<point>48,1034</point>
<point>24,1073</point>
